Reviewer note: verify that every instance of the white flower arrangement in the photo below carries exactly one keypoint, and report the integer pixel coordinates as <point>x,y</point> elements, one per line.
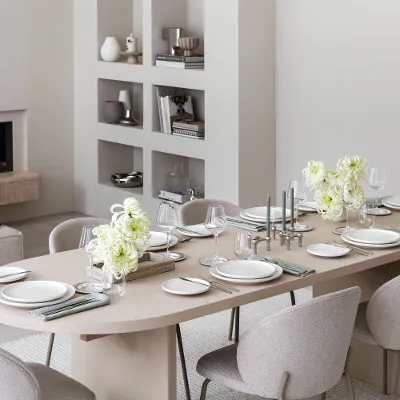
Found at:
<point>120,244</point>
<point>337,188</point>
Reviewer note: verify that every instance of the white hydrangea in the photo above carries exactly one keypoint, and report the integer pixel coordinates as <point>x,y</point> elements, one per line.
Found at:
<point>120,244</point>
<point>315,174</point>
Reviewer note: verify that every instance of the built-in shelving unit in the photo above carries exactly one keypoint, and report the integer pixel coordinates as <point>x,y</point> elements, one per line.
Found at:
<point>234,95</point>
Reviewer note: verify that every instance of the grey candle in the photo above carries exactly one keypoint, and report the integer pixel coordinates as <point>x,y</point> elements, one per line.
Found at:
<point>268,216</point>
<point>292,207</point>
<point>284,211</point>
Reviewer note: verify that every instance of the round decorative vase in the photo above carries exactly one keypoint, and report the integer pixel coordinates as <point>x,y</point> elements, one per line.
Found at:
<point>188,45</point>
<point>113,111</point>
<point>110,49</point>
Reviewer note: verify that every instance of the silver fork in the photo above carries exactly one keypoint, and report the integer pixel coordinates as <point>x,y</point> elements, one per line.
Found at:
<point>355,249</point>
<point>55,309</point>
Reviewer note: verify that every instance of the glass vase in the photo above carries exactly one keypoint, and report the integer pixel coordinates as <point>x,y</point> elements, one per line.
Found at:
<point>114,288</point>
<point>352,217</point>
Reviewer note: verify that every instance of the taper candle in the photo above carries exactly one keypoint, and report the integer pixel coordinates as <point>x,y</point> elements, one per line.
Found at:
<point>268,216</point>
<point>292,207</point>
<point>284,211</point>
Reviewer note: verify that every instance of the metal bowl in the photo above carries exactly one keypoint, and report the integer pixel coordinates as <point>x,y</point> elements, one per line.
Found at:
<point>130,180</point>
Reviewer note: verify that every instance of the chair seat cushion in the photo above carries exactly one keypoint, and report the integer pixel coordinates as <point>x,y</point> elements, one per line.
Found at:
<point>361,330</point>
<point>55,386</point>
<point>220,366</point>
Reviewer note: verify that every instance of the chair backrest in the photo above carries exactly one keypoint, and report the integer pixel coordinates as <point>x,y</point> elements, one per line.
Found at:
<point>309,341</point>
<point>383,315</point>
<point>66,235</point>
<point>16,379</point>
<point>194,212</point>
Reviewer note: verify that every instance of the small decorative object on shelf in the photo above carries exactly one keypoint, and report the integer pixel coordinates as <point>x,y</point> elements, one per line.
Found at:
<point>339,191</point>
<point>188,45</point>
<point>173,105</point>
<point>130,180</point>
<point>131,43</point>
<point>132,56</point>
<point>110,49</point>
<point>125,98</point>
<point>172,35</point>
<point>113,111</point>
<point>127,120</point>
<point>180,198</point>
<point>191,129</point>
<point>120,244</point>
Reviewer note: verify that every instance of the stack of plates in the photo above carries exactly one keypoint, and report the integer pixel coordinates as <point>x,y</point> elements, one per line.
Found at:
<point>246,271</point>
<point>372,238</point>
<point>198,230</point>
<point>258,214</point>
<point>158,241</point>
<point>392,202</point>
<point>36,294</point>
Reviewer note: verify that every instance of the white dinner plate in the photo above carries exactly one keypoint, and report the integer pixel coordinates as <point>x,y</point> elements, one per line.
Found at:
<point>11,270</point>
<point>386,203</point>
<point>346,239</point>
<point>276,214</point>
<point>308,207</point>
<point>68,295</point>
<point>157,239</point>
<point>198,231</point>
<point>373,236</point>
<point>185,288</point>
<point>394,200</point>
<point>245,269</point>
<point>327,250</point>
<point>173,240</point>
<point>278,272</point>
<point>34,291</point>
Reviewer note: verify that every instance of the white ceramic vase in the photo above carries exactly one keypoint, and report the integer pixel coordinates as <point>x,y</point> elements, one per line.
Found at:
<point>124,97</point>
<point>110,49</point>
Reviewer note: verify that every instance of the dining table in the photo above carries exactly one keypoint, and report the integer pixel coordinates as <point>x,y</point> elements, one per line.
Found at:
<point>127,349</point>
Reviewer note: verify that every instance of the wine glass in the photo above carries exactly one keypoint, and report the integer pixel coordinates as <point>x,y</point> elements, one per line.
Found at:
<point>167,219</point>
<point>300,196</point>
<point>215,223</point>
<point>377,181</point>
<point>87,236</point>
<point>242,245</point>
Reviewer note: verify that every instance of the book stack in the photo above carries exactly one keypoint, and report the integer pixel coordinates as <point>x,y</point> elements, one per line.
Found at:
<point>179,198</point>
<point>192,129</point>
<point>180,62</point>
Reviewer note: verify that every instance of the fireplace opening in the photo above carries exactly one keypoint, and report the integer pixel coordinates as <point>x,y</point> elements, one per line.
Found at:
<point>6,147</point>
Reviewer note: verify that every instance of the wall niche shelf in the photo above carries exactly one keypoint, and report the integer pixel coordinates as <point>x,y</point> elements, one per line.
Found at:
<point>108,90</point>
<point>118,158</point>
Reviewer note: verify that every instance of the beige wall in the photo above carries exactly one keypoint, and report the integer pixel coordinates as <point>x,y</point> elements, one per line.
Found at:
<point>338,84</point>
<point>36,73</point>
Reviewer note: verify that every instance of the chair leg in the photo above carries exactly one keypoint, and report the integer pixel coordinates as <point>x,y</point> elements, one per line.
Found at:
<point>282,386</point>
<point>349,382</point>
<point>183,361</point>
<point>50,349</point>
<point>204,389</point>
<point>292,298</point>
<point>385,372</point>
<point>323,396</point>
<point>232,322</point>
<point>237,317</point>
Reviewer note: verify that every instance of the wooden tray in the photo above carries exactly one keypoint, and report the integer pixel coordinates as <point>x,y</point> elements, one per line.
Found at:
<point>150,264</point>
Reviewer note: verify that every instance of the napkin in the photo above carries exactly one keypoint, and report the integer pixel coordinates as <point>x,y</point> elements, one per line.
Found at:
<point>249,225</point>
<point>70,307</point>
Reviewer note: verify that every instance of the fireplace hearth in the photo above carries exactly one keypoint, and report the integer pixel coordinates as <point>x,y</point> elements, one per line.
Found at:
<point>6,146</point>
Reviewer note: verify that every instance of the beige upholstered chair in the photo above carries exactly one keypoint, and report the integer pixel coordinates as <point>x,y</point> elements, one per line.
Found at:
<point>65,237</point>
<point>378,322</point>
<point>296,353</point>
<point>29,381</point>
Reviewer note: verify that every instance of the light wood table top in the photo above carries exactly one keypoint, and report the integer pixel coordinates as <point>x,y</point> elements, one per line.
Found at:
<point>146,306</point>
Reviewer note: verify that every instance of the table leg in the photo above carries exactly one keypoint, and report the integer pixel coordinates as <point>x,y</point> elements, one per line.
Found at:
<point>140,365</point>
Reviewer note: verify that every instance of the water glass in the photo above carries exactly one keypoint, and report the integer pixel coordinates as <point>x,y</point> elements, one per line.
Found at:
<point>367,216</point>
<point>167,219</point>
<point>112,287</point>
<point>242,246</point>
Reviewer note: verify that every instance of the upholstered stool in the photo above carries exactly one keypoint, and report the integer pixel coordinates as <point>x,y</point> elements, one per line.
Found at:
<point>11,245</point>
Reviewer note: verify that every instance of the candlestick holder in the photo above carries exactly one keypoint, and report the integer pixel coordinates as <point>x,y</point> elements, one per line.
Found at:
<point>258,239</point>
<point>287,236</point>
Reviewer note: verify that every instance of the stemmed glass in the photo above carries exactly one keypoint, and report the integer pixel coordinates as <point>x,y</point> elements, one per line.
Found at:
<point>167,219</point>
<point>86,237</point>
<point>215,223</point>
<point>242,245</point>
<point>377,181</point>
<point>300,196</point>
